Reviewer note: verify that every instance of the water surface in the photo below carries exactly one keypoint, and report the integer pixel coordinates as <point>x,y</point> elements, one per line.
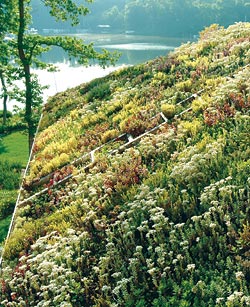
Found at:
<point>134,49</point>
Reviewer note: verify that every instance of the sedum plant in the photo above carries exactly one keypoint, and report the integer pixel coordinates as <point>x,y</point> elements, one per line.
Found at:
<point>162,220</point>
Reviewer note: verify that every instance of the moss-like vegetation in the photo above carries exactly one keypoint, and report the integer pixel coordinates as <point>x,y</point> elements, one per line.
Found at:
<point>159,220</point>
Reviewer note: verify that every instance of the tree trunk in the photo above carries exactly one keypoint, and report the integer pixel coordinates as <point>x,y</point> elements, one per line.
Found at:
<point>28,105</point>
<point>27,74</point>
<point>5,98</point>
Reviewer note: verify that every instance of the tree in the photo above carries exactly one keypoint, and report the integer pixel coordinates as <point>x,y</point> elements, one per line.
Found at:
<point>5,97</point>
<point>29,47</point>
<point>6,26</point>
<point>4,93</point>
<point>9,73</point>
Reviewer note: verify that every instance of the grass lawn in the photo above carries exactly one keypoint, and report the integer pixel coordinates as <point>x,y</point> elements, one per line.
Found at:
<point>15,148</point>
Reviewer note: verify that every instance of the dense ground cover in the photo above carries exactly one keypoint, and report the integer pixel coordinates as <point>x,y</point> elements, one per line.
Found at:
<point>158,220</point>
<point>4,226</point>
<point>13,158</point>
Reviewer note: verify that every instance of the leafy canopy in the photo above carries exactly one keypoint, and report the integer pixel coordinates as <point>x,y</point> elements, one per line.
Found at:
<point>16,19</point>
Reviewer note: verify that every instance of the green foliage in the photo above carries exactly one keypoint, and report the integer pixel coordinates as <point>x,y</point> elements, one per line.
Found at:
<point>162,220</point>
<point>14,123</point>
<point>4,226</point>
<point>7,202</point>
<point>87,87</point>
<point>9,114</point>
<point>24,51</point>
<point>65,11</point>
<point>164,16</point>
<point>168,110</point>
<point>109,135</point>
<point>101,92</point>
<point>9,175</point>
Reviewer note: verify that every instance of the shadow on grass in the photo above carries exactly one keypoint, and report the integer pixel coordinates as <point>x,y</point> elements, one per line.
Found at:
<point>2,148</point>
<point>4,227</point>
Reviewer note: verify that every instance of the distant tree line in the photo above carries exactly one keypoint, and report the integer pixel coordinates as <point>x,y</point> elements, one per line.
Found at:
<point>152,17</point>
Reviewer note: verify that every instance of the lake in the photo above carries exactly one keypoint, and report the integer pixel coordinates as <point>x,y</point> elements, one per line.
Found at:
<point>135,49</point>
